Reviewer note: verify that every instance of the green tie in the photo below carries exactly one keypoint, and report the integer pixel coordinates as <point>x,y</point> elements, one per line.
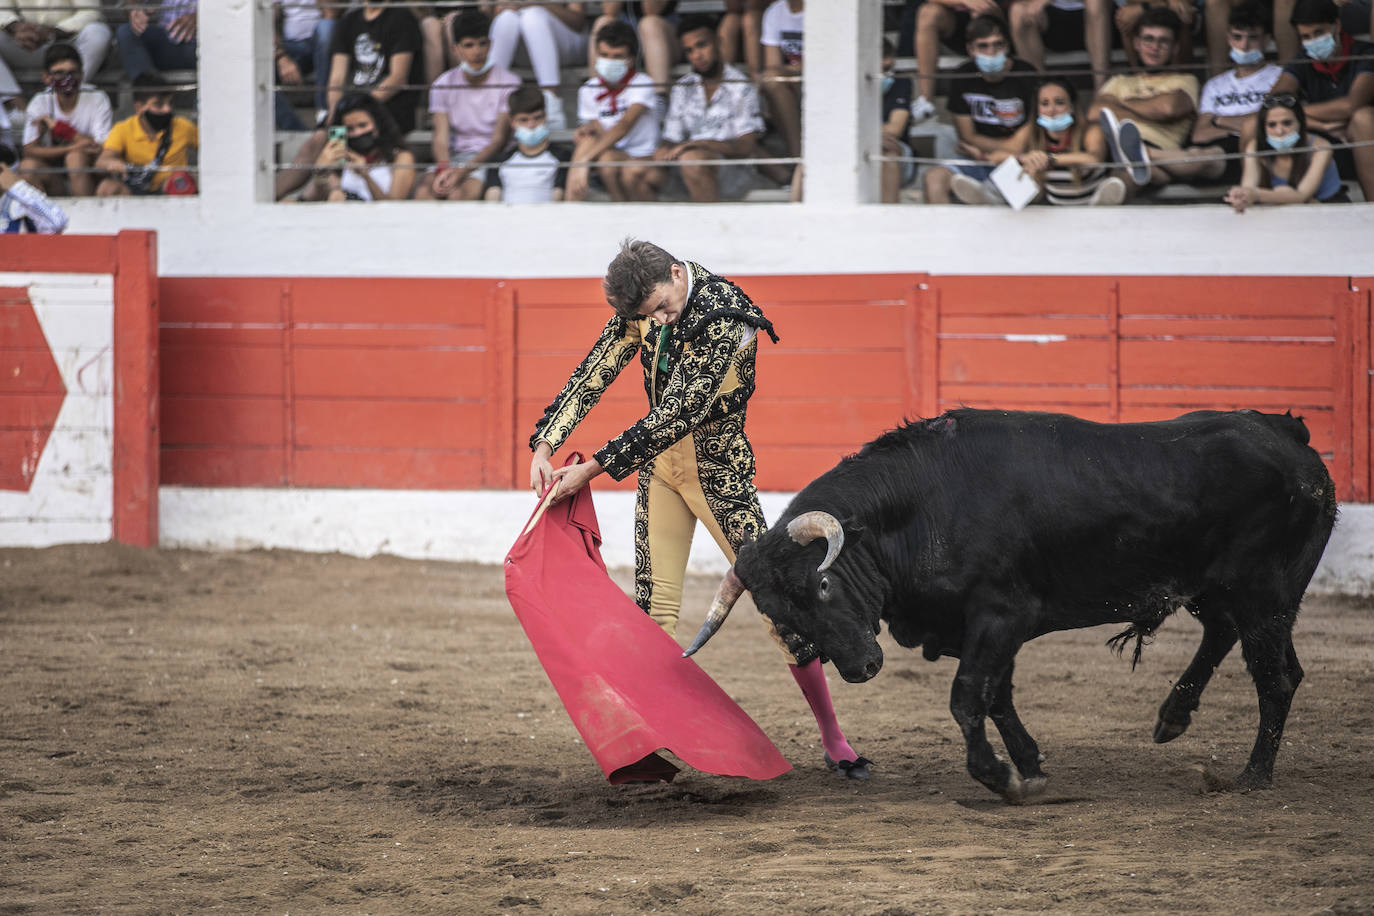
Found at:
<point>663,348</point>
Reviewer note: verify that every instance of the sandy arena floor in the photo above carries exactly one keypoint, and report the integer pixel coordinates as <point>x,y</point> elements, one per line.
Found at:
<point>274,732</point>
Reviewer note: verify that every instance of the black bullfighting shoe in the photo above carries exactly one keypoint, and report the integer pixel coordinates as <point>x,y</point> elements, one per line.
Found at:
<point>850,769</point>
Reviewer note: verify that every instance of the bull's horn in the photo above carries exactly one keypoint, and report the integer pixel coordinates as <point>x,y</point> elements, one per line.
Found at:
<point>808,526</point>
<point>726,596</point>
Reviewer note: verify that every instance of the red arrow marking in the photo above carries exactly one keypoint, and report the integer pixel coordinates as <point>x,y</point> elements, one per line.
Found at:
<point>31,390</point>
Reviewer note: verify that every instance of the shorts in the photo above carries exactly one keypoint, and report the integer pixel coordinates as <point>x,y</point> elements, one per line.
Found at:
<point>978,172</point>
<point>462,158</point>
<point>1229,144</point>
<point>1064,29</point>
<point>907,169</point>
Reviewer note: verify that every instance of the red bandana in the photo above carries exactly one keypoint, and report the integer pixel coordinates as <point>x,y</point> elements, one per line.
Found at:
<point>1333,68</point>
<point>613,92</point>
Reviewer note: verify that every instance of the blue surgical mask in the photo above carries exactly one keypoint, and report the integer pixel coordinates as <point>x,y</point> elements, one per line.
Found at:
<point>532,136</point>
<point>1247,58</point>
<point>478,71</point>
<point>1320,48</point>
<point>1287,141</point>
<point>887,82</point>
<point>1056,124</point>
<point>991,63</point>
<point>612,71</point>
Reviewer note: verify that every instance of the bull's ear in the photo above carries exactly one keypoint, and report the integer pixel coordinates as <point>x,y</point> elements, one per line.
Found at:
<point>853,532</point>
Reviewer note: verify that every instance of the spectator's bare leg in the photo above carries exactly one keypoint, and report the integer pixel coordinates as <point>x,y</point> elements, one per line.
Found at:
<point>643,181</point>
<point>610,12</point>
<point>784,99</point>
<point>82,182</point>
<point>424,188</point>
<point>111,187</point>
<point>1361,130</point>
<point>1216,17</point>
<point>1183,52</point>
<point>28,170</point>
<point>432,37</point>
<point>937,185</point>
<point>892,171</point>
<point>797,175</point>
<point>467,189</point>
<point>1208,168</point>
<point>1097,38</point>
<point>1028,23</point>
<point>1127,18</point>
<point>700,180</point>
<point>292,178</point>
<point>337,196</point>
<point>660,44</point>
<point>1285,36</point>
<point>933,22</point>
<point>579,177</point>
<point>730,29</point>
<point>613,177</point>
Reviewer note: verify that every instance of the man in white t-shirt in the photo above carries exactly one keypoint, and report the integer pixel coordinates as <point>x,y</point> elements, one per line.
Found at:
<point>1229,101</point>
<point>713,114</point>
<point>618,111</point>
<point>65,127</point>
<point>782,67</point>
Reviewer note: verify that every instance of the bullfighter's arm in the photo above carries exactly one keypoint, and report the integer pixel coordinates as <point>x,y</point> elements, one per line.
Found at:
<point>610,354</point>
<point>686,400</point>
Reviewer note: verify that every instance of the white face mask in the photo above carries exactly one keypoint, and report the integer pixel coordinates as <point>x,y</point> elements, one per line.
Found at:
<point>612,71</point>
<point>477,71</point>
<point>1247,58</point>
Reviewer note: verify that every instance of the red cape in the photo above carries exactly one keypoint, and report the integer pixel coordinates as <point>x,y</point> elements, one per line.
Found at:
<point>622,679</point>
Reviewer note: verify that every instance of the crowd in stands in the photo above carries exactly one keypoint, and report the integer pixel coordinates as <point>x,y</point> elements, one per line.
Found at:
<point>472,100</point>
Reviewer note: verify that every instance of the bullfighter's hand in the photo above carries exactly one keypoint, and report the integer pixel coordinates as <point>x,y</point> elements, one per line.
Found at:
<point>568,480</point>
<point>541,472</point>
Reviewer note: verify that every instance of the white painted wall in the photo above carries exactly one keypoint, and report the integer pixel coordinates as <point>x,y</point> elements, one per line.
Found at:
<point>72,495</point>
<point>232,231</point>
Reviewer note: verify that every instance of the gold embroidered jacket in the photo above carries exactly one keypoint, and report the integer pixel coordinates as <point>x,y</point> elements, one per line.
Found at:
<point>709,376</point>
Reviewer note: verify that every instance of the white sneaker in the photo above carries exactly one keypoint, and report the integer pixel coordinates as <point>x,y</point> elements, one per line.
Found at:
<point>921,109</point>
<point>1109,193</point>
<point>553,111</point>
<point>972,191</point>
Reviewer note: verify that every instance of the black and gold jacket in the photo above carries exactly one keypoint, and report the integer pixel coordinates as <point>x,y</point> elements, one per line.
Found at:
<point>709,375</point>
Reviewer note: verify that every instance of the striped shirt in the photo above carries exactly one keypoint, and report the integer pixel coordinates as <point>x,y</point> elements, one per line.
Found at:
<point>173,10</point>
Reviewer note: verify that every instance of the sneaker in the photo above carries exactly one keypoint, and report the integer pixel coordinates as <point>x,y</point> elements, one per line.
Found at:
<point>1133,149</point>
<point>553,111</point>
<point>1109,193</point>
<point>972,191</point>
<point>921,109</point>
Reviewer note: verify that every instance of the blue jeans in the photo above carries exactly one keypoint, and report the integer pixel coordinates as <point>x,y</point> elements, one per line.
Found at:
<point>312,57</point>
<point>153,50</point>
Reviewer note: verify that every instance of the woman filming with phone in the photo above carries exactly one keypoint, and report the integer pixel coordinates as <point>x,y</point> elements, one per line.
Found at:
<point>362,159</point>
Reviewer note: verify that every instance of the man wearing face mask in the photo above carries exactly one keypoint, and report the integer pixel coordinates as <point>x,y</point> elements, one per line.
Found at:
<point>145,151</point>
<point>619,111</point>
<point>992,96</point>
<point>1337,84</point>
<point>1230,99</point>
<point>66,126</point>
<point>469,108</point>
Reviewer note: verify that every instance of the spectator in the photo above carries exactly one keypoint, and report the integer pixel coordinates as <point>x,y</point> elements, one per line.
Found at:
<point>1307,173</point>
<point>896,117</point>
<point>942,22</point>
<point>65,127</point>
<point>1061,151</point>
<point>618,109</point>
<point>991,99</point>
<point>741,34</point>
<point>552,36</point>
<point>1154,108</point>
<point>1130,13</point>
<point>304,36</point>
<point>1337,84</point>
<point>1355,17</point>
<point>469,108</point>
<point>437,51</point>
<point>28,28</point>
<point>375,50</point>
<point>656,38</point>
<point>535,171</point>
<point>782,62</point>
<point>368,162</point>
<point>1064,25</point>
<point>24,208</point>
<point>165,43</point>
<point>149,152</point>
<point>713,114</point>
<point>1230,99</point>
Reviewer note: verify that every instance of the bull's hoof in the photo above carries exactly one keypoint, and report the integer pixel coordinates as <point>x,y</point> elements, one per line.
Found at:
<point>1021,791</point>
<point>850,769</point>
<point>1167,731</point>
<point>1250,781</point>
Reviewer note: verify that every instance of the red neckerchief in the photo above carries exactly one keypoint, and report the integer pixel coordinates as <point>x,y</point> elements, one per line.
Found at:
<point>1049,142</point>
<point>1333,68</point>
<point>613,92</point>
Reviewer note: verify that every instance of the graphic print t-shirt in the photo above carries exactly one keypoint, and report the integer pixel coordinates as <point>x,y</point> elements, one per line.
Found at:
<point>999,108</point>
<point>1229,95</point>
<point>782,28</point>
<point>369,46</point>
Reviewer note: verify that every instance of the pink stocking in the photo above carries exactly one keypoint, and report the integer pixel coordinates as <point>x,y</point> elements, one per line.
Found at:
<point>811,679</point>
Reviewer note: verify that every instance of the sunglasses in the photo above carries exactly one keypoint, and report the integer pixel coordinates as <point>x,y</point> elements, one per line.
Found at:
<point>1279,100</point>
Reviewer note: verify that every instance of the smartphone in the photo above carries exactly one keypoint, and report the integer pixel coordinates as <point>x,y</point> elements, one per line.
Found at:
<point>338,132</point>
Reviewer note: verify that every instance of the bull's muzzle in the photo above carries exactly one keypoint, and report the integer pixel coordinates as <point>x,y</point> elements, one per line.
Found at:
<point>726,596</point>
<point>808,526</point>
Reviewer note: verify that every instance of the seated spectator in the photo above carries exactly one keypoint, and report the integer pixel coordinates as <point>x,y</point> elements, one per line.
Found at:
<point>896,120</point>
<point>1355,17</point>
<point>552,37</point>
<point>1130,13</point>
<point>166,41</point>
<point>741,34</point>
<point>28,28</point>
<point>437,52</point>
<point>942,22</point>
<point>23,207</point>
<point>1338,92</point>
<point>1154,109</point>
<point>1063,25</point>
<point>991,98</point>
<point>367,162</point>
<point>535,171</point>
<point>1060,150</point>
<point>304,35</point>
<point>618,111</point>
<point>470,119</point>
<point>1230,99</point>
<point>782,68</point>
<point>1306,174</point>
<point>65,127</point>
<point>376,50</point>
<point>656,38</point>
<point>148,153</point>
<point>713,114</point>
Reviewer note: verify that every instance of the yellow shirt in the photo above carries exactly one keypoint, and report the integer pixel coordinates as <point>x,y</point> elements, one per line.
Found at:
<point>136,147</point>
<point>1140,86</point>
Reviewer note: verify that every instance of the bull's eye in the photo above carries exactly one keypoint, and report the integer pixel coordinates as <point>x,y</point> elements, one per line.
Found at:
<point>824,587</point>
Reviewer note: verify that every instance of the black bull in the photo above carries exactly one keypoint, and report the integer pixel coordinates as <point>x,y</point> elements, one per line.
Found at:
<point>976,531</point>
